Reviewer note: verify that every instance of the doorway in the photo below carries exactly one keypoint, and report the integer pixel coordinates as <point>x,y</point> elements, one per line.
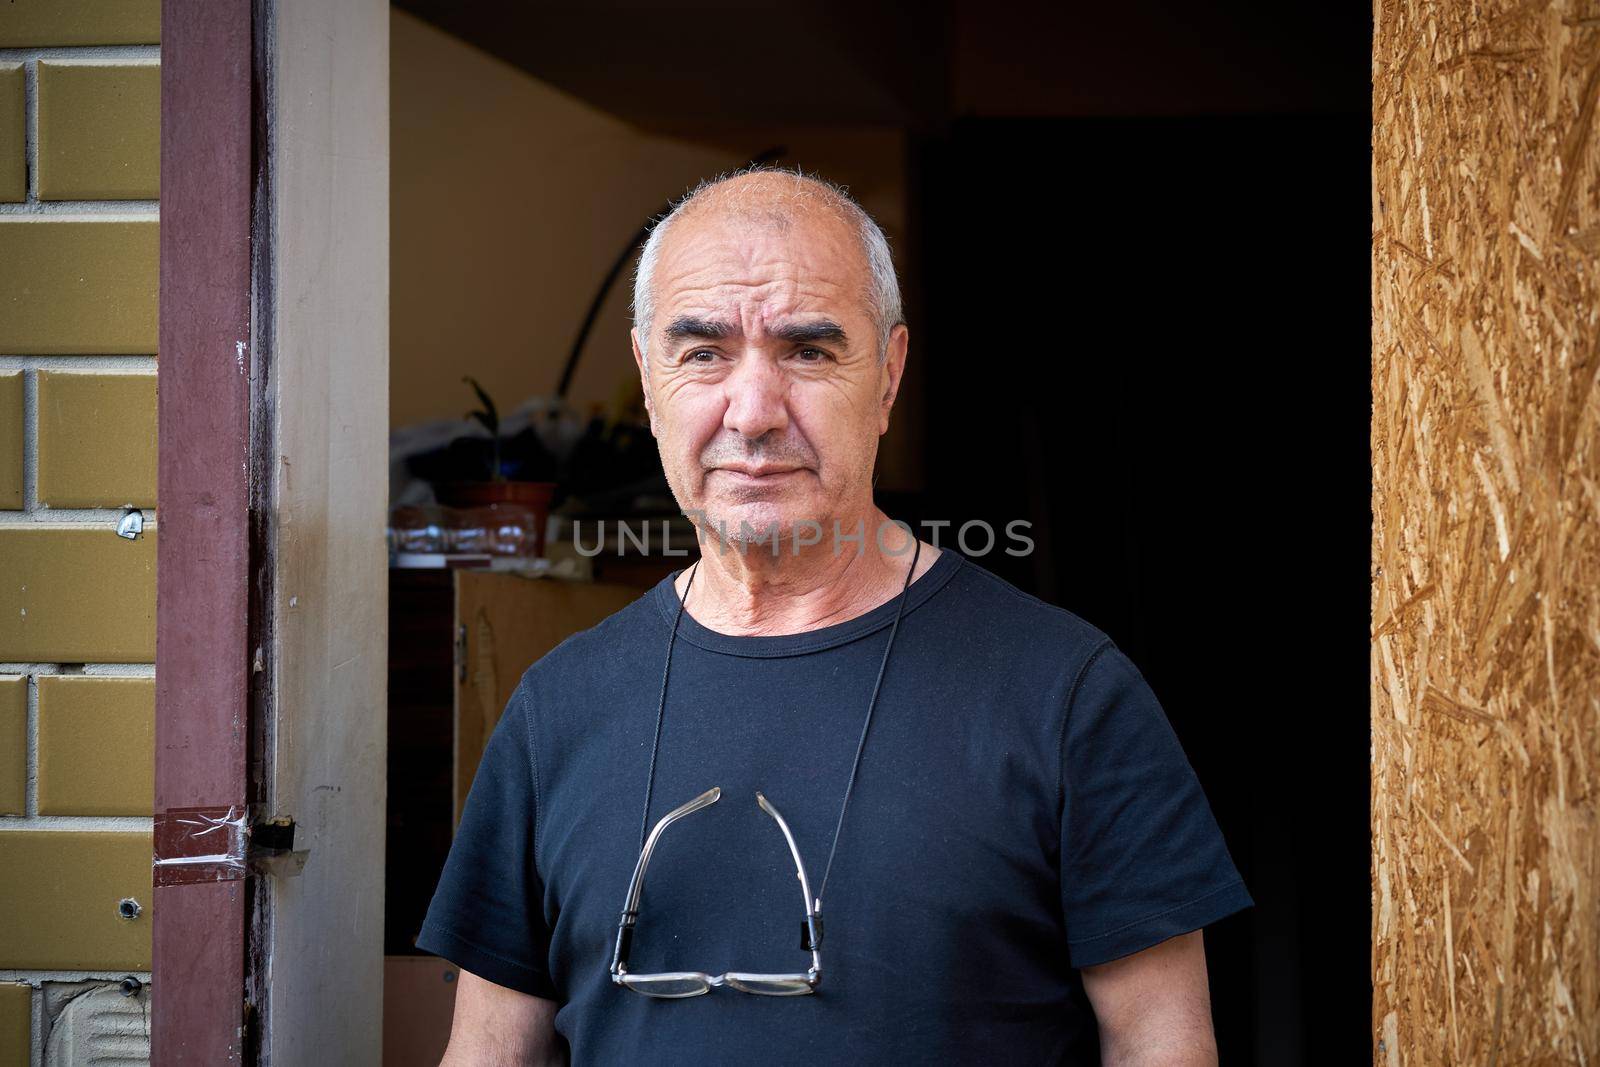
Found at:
<point>450,203</point>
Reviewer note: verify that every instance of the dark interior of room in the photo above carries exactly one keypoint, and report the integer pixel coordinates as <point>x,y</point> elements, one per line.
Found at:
<point>1135,275</point>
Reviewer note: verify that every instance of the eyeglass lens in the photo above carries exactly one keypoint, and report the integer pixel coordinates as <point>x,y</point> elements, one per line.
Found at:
<point>668,985</point>
<point>772,985</point>
<point>682,984</point>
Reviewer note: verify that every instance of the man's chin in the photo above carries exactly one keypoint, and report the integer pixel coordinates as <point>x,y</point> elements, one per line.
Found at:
<point>753,525</point>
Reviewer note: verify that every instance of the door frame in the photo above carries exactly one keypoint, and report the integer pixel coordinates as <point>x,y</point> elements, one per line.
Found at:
<point>203,552</point>
<point>271,614</point>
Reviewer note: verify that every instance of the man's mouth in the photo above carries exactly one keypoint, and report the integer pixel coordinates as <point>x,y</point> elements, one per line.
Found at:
<point>759,474</point>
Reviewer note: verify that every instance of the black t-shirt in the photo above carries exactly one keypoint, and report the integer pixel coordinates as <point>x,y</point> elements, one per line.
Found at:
<point>1022,809</point>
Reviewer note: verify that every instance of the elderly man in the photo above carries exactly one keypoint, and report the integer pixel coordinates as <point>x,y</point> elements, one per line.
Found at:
<point>1025,859</point>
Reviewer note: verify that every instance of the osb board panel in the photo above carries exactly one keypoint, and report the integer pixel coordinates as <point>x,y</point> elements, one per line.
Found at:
<point>1486,533</point>
<point>505,623</point>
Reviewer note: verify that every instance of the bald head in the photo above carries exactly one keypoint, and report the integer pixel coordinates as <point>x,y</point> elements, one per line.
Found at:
<point>780,200</point>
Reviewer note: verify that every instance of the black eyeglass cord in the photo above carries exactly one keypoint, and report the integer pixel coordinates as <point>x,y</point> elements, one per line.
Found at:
<point>661,710</point>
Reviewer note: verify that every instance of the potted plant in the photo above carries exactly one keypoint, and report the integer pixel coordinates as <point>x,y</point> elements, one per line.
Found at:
<point>497,488</point>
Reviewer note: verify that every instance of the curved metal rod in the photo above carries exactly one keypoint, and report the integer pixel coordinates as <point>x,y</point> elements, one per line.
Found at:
<point>812,923</point>
<point>704,800</point>
<point>794,850</point>
<point>630,908</point>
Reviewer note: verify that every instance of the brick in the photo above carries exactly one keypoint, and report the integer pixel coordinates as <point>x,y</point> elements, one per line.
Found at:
<point>77,596</point>
<point>97,743</point>
<point>13,146</point>
<point>13,744</point>
<point>99,132</point>
<point>16,1024</point>
<point>71,288</point>
<point>11,441</point>
<point>61,892</point>
<point>97,439</point>
<point>39,23</point>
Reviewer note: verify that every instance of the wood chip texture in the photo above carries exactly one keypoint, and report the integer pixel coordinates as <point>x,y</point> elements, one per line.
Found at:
<point>1485,577</point>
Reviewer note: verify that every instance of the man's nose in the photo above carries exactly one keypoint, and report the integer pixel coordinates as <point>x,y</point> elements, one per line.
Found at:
<point>757,398</point>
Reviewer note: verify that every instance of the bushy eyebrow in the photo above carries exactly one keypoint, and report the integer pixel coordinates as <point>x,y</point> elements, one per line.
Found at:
<point>799,333</point>
<point>687,328</point>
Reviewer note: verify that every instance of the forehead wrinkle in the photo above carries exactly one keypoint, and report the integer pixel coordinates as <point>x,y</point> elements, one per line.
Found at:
<point>716,245</point>
<point>771,299</point>
<point>784,316</point>
<point>749,280</point>
<point>711,284</point>
<point>714,273</point>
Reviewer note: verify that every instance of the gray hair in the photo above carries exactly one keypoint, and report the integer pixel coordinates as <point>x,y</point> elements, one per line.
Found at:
<point>883,287</point>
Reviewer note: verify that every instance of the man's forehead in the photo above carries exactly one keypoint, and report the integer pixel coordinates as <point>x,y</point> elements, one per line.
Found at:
<point>765,302</point>
<point>715,263</point>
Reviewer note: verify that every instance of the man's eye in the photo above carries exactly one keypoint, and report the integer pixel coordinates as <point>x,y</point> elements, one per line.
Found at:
<point>812,355</point>
<point>700,355</point>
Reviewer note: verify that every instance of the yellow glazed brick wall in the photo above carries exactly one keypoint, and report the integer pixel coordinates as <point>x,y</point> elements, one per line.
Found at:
<point>13,744</point>
<point>11,454</point>
<point>97,439</point>
<point>95,736</point>
<point>99,131</point>
<point>79,260</point>
<point>13,134</point>
<point>37,23</point>
<point>77,596</point>
<point>77,287</point>
<point>16,1023</point>
<point>62,894</point>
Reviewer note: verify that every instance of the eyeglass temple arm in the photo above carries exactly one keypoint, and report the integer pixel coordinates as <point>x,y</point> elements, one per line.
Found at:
<point>630,907</point>
<point>811,934</point>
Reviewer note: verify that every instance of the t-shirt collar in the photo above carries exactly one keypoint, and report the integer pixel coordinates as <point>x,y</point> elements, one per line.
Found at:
<point>665,595</point>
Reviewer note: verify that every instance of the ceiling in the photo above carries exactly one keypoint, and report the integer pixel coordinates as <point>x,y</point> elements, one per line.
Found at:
<point>665,64</point>
<point>709,63</point>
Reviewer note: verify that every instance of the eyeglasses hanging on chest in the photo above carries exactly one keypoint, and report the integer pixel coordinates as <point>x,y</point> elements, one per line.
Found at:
<point>676,984</point>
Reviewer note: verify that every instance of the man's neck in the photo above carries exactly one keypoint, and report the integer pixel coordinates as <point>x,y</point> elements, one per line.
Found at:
<point>750,591</point>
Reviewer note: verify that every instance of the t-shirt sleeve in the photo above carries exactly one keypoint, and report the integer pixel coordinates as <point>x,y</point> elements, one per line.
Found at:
<point>487,913</point>
<point>1142,857</point>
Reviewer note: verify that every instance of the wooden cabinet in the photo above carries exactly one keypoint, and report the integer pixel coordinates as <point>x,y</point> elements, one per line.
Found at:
<point>459,642</point>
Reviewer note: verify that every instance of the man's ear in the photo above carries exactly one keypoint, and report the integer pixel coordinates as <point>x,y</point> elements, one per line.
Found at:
<point>644,379</point>
<point>894,366</point>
